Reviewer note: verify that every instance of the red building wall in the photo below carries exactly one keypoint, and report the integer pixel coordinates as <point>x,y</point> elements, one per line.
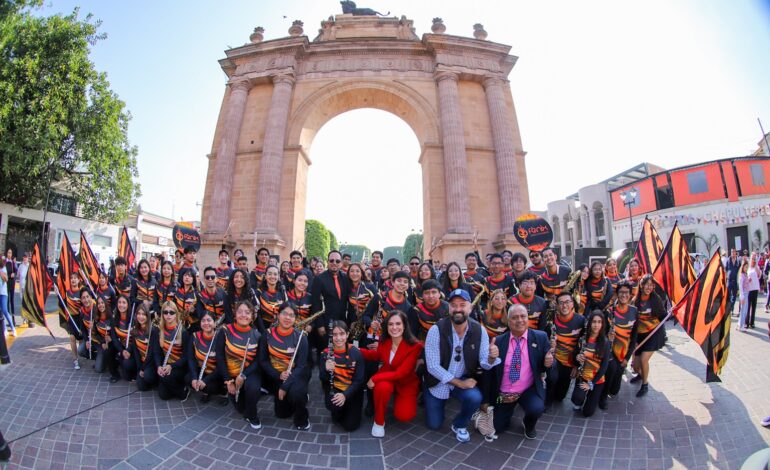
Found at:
<point>743,170</point>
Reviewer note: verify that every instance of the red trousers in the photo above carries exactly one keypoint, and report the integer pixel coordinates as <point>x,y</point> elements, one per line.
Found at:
<point>405,403</point>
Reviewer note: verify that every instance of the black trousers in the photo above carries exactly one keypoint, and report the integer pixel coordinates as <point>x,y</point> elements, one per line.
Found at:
<point>349,414</point>
<point>752,307</point>
<point>5,449</point>
<point>172,385</point>
<point>249,396</point>
<point>214,383</point>
<point>295,401</point>
<point>557,383</point>
<point>148,377</point>
<point>532,404</point>
<point>12,298</point>
<point>5,358</point>
<point>613,377</point>
<point>588,401</point>
<point>127,367</point>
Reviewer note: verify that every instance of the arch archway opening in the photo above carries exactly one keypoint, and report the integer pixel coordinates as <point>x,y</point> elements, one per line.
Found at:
<point>365,181</point>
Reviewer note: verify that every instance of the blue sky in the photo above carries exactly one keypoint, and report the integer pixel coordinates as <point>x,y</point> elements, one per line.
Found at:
<point>599,87</point>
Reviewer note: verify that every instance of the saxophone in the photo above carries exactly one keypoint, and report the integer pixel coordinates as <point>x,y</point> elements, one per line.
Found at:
<point>357,328</point>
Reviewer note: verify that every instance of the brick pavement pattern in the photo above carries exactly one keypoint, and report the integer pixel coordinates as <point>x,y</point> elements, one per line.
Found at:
<point>682,423</point>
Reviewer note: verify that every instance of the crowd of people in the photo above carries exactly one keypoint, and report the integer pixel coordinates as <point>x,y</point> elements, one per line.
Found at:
<point>493,335</point>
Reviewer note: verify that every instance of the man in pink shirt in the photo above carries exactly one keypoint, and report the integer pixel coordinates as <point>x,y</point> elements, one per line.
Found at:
<point>517,380</point>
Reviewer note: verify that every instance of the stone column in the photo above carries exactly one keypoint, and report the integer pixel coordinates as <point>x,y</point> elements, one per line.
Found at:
<point>224,166</point>
<point>607,227</point>
<point>584,227</point>
<point>592,226</point>
<point>505,152</point>
<point>269,182</point>
<point>455,160</point>
<point>563,236</point>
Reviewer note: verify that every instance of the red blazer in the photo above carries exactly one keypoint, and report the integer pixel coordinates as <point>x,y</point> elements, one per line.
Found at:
<point>401,370</point>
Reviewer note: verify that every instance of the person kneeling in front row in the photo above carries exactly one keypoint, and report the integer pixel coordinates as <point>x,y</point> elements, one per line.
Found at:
<point>526,355</point>
<point>454,348</point>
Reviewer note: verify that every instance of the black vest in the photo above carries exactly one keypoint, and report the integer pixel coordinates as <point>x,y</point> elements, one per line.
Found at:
<point>471,346</point>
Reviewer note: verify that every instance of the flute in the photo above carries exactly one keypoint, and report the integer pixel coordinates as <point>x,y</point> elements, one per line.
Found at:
<point>90,334</point>
<point>130,322</point>
<point>243,365</point>
<point>171,346</point>
<point>208,353</point>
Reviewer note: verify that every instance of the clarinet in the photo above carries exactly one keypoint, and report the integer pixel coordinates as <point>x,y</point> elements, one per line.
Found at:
<point>356,327</point>
<point>171,346</point>
<point>243,364</point>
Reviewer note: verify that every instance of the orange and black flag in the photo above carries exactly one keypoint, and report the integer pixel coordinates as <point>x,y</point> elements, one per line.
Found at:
<point>35,291</point>
<point>648,249</point>
<point>125,249</point>
<point>674,273</point>
<point>88,263</point>
<point>68,264</point>
<point>703,316</point>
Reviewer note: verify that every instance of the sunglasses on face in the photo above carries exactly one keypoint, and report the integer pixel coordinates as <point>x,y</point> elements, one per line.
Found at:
<point>414,264</point>
<point>169,312</point>
<point>210,277</point>
<point>335,261</point>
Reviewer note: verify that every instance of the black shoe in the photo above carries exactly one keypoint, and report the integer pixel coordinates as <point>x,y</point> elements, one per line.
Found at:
<point>302,427</point>
<point>642,391</point>
<point>369,410</point>
<point>114,380</point>
<point>603,404</point>
<point>255,423</point>
<point>635,378</point>
<point>751,326</point>
<point>529,433</point>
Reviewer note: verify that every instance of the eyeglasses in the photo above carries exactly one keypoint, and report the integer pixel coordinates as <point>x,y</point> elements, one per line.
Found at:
<point>210,277</point>
<point>565,302</point>
<point>335,261</point>
<point>458,351</point>
<point>169,312</point>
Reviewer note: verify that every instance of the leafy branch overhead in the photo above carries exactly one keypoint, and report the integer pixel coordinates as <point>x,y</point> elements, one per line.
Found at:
<point>60,123</point>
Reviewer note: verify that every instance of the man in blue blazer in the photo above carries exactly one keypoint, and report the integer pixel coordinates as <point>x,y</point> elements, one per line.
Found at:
<point>525,356</point>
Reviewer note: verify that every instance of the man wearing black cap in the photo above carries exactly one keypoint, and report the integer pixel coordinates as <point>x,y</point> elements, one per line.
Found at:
<point>454,348</point>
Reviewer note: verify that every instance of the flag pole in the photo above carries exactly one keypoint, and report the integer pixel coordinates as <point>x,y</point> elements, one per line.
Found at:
<point>64,305</point>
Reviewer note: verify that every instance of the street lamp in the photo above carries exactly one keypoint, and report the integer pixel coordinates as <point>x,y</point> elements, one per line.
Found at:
<point>628,199</point>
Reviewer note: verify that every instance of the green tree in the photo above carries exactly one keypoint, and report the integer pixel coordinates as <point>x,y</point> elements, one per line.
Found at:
<point>392,252</point>
<point>412,246</point>
<point>316,239</point>
<point>333,244</point>
<point>60,123</point>
<point>356,252</point>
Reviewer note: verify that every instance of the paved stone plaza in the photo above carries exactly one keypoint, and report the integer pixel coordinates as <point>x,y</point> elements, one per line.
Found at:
<point>682,423</point>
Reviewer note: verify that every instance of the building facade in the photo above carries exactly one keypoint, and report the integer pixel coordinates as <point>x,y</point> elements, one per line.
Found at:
<point>722,203</point>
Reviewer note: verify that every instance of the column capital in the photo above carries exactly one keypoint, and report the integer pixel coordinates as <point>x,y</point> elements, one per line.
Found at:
<point>491,81</point>
<point>441,75</point>
<point>283,78</point>
<point>243,84</point>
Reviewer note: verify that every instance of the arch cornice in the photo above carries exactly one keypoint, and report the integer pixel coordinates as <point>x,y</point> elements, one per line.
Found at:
<point>425,112</point>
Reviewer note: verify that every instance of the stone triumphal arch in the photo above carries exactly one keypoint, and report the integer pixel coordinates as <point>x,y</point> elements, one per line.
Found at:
<point>452,91</point>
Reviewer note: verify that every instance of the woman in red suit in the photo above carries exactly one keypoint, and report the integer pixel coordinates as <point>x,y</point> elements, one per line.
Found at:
<point>398,351</point>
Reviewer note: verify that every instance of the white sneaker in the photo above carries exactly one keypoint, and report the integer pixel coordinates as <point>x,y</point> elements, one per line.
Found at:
<point>377,430</point>
<point>461,434</point>
<point>76,364</point>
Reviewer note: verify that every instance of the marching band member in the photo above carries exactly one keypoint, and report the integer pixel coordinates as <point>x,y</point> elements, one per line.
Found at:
<point>185,298</point>
<point>105,291</point>
<point>536,306</point>
<point>143,335</point>
<point>593,360</point>
<point>165,289</point>
<point>144,286</point>
<point>237,362</point>
<point>224,270</point>
<point>122,282</point>
<point>623,321</point>
<point>432,309</point>
<point>453,279</point>
<point>201,355</point>
<point>651,312</point>
<point>538,265</point>
<point>121,321</point>
<point>87,314</point>
<point>283,359</point>
<point>169,353</point>
<point>598,288</point>
<point>343,391</point>
<point>257,275</point>
<point>497,279</point>
<point>271,295</point>
<point>238,290</point>
<point>212,298</point>
<point>73,327</point>
<point>568,326</point>
<point>495,317</point>
<point>106,352</point>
